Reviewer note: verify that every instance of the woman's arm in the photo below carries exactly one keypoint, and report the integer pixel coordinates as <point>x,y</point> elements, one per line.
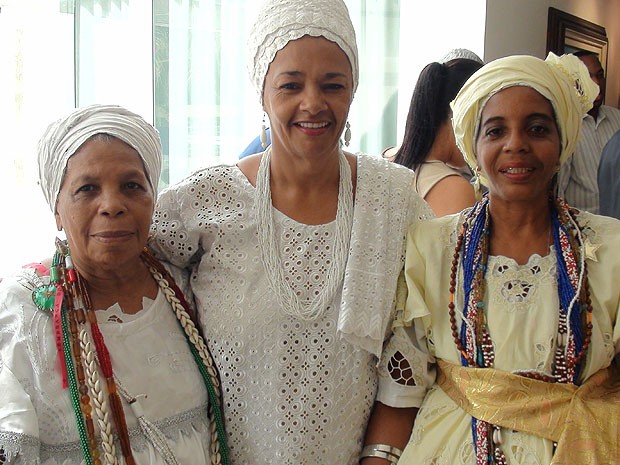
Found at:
<point>388,426</point>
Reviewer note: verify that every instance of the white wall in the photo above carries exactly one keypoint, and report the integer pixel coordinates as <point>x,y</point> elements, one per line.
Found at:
<point>427,33</point>
<point>520,27</point>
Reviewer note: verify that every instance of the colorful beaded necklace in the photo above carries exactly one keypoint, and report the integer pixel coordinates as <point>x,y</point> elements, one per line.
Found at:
<point>473,339</point>
<point>67,299</point>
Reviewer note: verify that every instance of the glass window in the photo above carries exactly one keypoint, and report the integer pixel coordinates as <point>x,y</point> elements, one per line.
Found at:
<point>182,65</point>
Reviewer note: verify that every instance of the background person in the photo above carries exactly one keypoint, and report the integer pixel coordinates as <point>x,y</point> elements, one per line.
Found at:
<point>99,345</point>
<point>609,178</point>
<point>295,252</point>
<point>441,177</point>
<point>577,181</point>
<point>517,290</point>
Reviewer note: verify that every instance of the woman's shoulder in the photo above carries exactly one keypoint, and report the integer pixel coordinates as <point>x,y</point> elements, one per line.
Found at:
<point>19,291</point>
<point>605,226</point>
<point>602,232</point>
<point>221,176</point>
<point>383,173</point>
<point>442,229</point>
<point>382,179</point>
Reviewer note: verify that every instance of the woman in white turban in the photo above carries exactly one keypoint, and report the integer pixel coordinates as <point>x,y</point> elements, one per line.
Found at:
<point>100,362</point>
<point>514,304</point>
<point>295,252</point>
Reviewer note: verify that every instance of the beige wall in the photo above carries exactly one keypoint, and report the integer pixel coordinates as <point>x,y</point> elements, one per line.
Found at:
<point>520,27</point>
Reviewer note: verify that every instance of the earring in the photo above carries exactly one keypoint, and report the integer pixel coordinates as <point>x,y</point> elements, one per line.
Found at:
<point>477,184</point>
<point>263,134</point>
<point>347,134</point>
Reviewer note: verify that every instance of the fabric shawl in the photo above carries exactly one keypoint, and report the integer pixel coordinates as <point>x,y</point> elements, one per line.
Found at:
<point>583,420</point>
<point>373,266</point>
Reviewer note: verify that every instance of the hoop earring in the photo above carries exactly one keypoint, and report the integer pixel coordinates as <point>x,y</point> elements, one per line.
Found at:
<point>263,134</point>
<point>347,134</point>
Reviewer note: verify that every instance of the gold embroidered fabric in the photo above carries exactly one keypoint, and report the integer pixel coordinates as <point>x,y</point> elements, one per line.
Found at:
<point>584,420</point>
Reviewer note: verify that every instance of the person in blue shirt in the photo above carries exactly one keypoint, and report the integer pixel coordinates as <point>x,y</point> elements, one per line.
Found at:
<point>609,179</point>
<point>255,146</point>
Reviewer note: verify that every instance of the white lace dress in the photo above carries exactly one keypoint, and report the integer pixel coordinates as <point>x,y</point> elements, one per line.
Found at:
<point>295,391</point>
<point>150,356</point>
<point>522,314</point>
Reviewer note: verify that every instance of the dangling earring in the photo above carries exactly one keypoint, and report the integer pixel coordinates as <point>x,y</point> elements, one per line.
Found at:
<point>347,134</point>
<point>477,184</point>
<point>263,134</point>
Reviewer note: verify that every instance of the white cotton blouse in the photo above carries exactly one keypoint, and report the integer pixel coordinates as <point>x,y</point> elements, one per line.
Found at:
<point>295,391</point>
<point>150,357</point>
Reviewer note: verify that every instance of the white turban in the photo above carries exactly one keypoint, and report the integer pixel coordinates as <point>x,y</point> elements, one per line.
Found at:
<point>564,81</point>
<point>461,54</point>
<point>64,137</point>
<point>281,21</point>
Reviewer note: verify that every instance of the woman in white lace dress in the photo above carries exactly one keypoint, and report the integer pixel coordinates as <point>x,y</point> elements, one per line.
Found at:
<point>514,304</point>
<point>99,360</point>
<point>295,252</point>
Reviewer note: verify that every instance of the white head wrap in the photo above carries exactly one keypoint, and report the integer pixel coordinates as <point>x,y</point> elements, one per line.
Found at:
<point>564,81</point>
<point>64,137</point>
<point>281,21</point>
<point>459,53</point>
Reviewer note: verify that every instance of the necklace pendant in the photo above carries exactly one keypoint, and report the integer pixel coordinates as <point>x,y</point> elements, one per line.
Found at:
<point>43,297</point>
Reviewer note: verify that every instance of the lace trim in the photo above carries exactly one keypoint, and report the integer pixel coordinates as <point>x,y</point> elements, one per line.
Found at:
<point>18,444</point>
<point>115,314</point>
<point>184,423</point>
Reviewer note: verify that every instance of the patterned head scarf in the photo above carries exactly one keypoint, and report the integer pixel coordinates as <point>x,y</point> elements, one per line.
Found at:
<point>281,21</point>
<point>64,137</point>
<point>564,81</point>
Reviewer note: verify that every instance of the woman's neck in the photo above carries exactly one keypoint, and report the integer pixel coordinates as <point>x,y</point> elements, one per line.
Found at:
<point>519,231</point>
<point>444,148</point>
<point>126,286</point>
<point>307,190</point>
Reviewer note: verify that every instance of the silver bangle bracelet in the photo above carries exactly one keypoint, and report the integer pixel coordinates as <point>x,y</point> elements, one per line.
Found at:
<point>383,451</point>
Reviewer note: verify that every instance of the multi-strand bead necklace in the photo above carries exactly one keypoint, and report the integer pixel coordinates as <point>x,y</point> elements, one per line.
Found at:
<point>574,314</point>
<point>77,333</point>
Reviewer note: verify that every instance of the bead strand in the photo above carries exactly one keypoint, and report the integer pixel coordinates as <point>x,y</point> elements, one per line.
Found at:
<point>93,381</point>
<point>201,354</point>
<point>476,346</point>
<point>74,392</point>
<point>74,312</point>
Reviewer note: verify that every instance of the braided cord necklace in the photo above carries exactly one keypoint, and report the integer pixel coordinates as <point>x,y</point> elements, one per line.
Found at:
<point>473,340</point>
<point>200,352</point>
<point>72,309</point>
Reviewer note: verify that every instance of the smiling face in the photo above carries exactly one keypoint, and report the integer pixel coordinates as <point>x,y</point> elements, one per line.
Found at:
<point>105,205</point>
<point>308,92</point>
<point>518,145</point>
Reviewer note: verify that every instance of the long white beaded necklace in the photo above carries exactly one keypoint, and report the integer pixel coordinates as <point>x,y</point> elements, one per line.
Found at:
<point>269,248</point>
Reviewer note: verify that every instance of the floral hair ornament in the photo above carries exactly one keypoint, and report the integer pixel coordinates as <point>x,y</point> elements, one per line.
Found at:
<point>585,88</point>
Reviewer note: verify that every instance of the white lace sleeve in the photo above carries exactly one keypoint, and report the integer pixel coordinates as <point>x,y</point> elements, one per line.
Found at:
<point>173,238</point>
<point>19,431</point>
<point>405,370</point>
